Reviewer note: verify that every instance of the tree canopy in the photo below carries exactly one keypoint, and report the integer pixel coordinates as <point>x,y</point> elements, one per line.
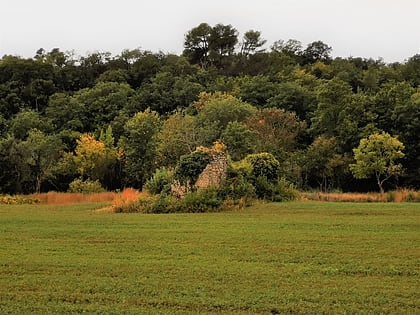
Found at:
<point>113,120</point>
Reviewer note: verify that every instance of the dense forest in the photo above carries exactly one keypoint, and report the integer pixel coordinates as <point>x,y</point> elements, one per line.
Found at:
<point>117,119</point>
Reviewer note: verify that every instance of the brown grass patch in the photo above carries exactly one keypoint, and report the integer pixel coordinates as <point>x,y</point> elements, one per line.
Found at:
<point>402,195</point>
<point>61,198</point>
<point>126,196</point>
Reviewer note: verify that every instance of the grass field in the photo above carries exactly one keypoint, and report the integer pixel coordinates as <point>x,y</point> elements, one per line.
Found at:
<point>299,258</point>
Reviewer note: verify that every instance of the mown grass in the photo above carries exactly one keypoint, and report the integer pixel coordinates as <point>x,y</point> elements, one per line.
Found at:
<point>298,257</point>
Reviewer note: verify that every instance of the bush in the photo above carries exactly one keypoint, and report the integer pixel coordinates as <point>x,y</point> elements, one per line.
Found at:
<point>17,200</point>
<point>202,200</point>
<point>160,182</point>
<point>85,187</point>
<point>191,165</point>
<point>280,190</point>
<point>142,204</point>
<point>236,188</point>
<point>264,165</point>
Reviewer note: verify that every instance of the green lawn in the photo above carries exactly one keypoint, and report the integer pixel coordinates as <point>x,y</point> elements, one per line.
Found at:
<point>300,257</point>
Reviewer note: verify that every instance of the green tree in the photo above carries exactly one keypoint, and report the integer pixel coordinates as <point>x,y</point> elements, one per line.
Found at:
<point>251,42</point>
<point>406,124</point>
<point>15,172</point>
<point>323,163</point>
<point>196,44</point>
<point>24,121</point>
<point>222,42</point>
<point>179,136</point>
<point>377,156</point>
<point>333,96</point>
<point>293,97</point>
<point>222,109</point>
<point>256,90</point>
<point>292,47</point>
<point>44,153</point>
<point>240,141</point>
<point>66,113</point>
<point>139,145</point>
<point>102,103</point>
<point>317,50</point>
<point>164,93</point>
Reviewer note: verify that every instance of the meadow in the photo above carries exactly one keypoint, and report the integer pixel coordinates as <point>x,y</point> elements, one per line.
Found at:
<point>274,258</point>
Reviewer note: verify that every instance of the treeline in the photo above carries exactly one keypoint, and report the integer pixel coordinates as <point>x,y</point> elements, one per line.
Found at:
<point>116,119</point>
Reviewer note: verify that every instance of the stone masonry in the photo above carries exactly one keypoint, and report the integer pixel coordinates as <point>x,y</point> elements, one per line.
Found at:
<point>214,173</point>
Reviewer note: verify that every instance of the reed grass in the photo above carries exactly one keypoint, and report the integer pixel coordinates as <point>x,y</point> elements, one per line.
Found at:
<point>401,195</point>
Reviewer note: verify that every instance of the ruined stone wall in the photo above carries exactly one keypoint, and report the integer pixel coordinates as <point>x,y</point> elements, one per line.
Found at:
<point>214,173</point>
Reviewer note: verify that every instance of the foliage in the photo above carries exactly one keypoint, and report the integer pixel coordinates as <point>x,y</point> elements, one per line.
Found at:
<point>280,190</point>
<point>179,136</point>
<point>202,200</point>
<point>139,145</point>
<point>85,186</point>
<point>377,156</point>
<point>276,130</point>
<point>160,181</point>
<point>239,140</point>
<point>222,109</point>
<point>44,153</point>
<point>323,163</point>
<point>289,100</point>
<point>95,159</point>
<point>191,165</point>
<point>24,121</point>
<point>17,200</point>
<point>264,165</point>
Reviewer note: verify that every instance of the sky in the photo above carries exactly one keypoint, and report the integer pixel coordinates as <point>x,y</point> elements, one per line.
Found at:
<point>388,29</point>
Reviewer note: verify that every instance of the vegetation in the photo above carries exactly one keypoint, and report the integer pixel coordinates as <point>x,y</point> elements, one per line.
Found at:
<point>377,156</point>
<point>117,119</point>
<point>301,258</point>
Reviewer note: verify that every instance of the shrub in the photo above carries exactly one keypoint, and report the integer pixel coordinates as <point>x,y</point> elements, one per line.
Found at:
<point>142,204</point>
<point>160,182</point>
<point>202,200</point>
<point>264,165</point>
<point>17,200</point>
<point>280,190</point>
<point>191,165</point>
<point>236,187</point>
<point>85,187</point>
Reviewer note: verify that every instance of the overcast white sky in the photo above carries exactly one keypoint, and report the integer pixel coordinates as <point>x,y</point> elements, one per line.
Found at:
<point>360,28</point>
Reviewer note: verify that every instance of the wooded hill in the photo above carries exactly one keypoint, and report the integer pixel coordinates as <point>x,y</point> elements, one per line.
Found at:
<point>116,119</point>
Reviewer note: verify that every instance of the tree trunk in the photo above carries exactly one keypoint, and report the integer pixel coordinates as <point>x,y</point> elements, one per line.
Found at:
<point>378,180</point>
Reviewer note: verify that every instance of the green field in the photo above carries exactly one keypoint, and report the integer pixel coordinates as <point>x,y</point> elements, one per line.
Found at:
<point>300,257</point>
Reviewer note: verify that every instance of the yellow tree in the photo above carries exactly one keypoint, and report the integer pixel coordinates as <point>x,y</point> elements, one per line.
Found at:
<point>93,158</point>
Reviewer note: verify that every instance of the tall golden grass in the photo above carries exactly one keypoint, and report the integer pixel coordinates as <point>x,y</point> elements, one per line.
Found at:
<point>126,196</point>
<point>401,195</point>
<point>61,198</point>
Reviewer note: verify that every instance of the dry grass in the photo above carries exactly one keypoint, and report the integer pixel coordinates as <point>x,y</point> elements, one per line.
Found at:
<point>402,195</point>
<point>60,198</point>
<point>126,196</point>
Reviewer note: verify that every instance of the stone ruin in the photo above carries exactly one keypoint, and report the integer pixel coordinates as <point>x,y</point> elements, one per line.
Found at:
<point>212,175</point>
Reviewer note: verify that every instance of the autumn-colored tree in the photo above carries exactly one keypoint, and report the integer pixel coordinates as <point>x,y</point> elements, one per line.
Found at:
<point>93,158</point>
<point>276,130</point>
